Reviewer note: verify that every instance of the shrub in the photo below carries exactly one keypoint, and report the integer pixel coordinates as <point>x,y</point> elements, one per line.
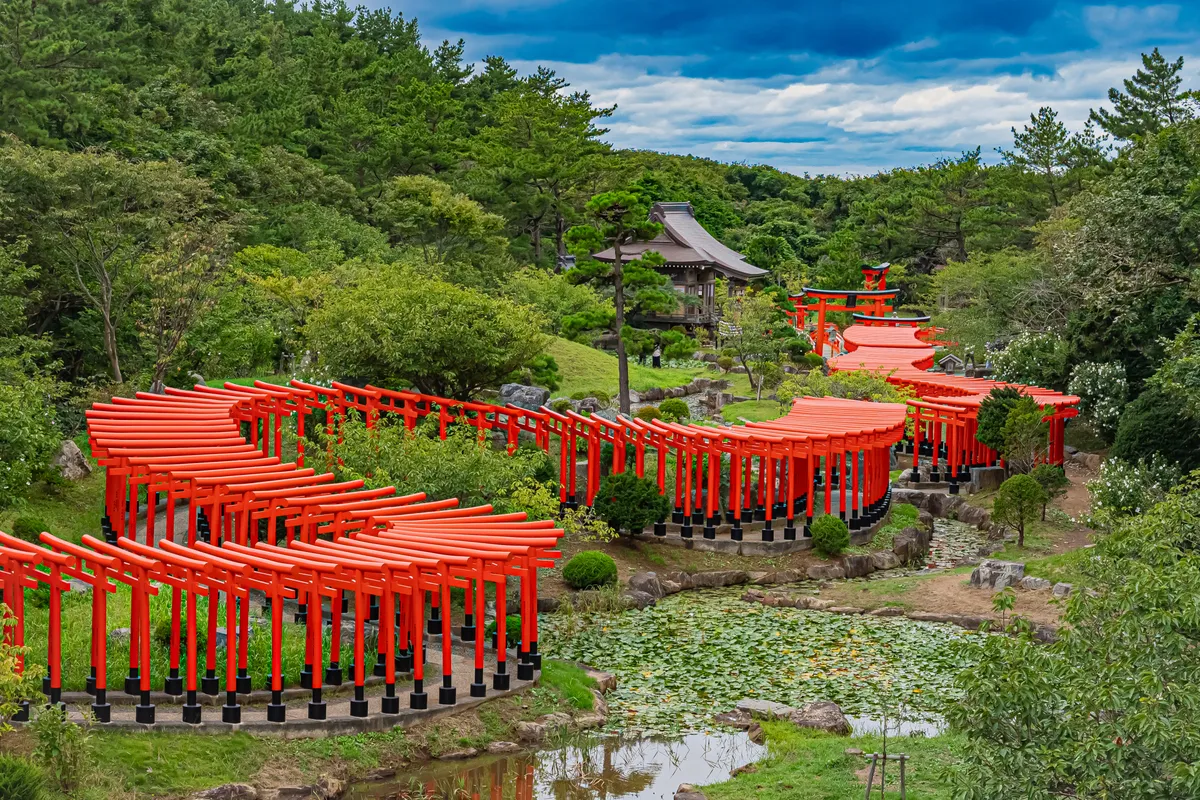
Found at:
<point>1024,435</point>
<point>20,780</point>
<point>1053,479</point>
<point>29,528</point>
<point>581,395</point>
<point>14,686</point>
<point>729,352</point>
<point>647,413</point>
<point>512,628</point>
<point>1017,504</point>
<point>602,397</point>
<point>797,348</point>
<point>674,410</point>
<point>542,370</point>
<point>993,413</point>
<point>560,404</point>
<point>1124,489</point>
<point>814,360</point>
<point>1035,359</point>
<point>63,748</point>
<point>1155,424</point>
<point>629,503</point>
<point>830,535</point>
<point>160,635</point>
<point>590,569</point>
<point>1102,390</point>
<point>724,363</point>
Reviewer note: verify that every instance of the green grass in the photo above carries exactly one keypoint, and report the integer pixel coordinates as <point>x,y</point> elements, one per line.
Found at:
<point>811,765</point>
<point>584,369</point>
<point>68,510</point>
<point>571,681</point>
<point>900,517</point>
<point>753,411</point>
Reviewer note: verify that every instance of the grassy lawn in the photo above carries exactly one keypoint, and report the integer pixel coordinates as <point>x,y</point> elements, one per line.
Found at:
<point>584,369</point>
<point>811,765</point>
<point>752,410</point>
<point>67,511</point>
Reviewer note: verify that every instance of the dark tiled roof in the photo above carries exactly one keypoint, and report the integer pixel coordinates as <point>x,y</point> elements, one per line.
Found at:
<point>684,242</point>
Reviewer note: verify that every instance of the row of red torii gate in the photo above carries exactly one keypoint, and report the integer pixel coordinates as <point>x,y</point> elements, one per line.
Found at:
<point>262,520</point>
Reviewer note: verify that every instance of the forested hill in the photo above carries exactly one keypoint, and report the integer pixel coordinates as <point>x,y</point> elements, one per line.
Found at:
<point>184,184</point>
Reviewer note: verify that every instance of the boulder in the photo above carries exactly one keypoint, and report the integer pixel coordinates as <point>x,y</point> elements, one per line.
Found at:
<point>996,575</point>
<point>503,748</point>
<point>825,572</point>
<point>763,709</point>
<point>639,600</point>
<point>459,755</point>
<point>119,636</point>
<point>71,462</point>
<point>882,559</point>
<point>972,515</point>
<point>911,544</point>
<point>558,719</point>
<point>688,792</point>
<point>605,681</point>
<point>329,788</point>
<point>940,505</point>
<point>844,610</point>
<point>726,577</point>
<point>548,605</point>
<point>986,479</point>
<point>914,497</point>
<point>886,611</point>
<point>925,519</point>
<point>79,587</point>
<point>1033,584</point>
<point>822,715</point>
<point>230,791</point>
<point>857,566</point>
<point>671,587</point>
<point>733,719</point>
<point>586,722</point>
<point>530,398</point>
<point>648,583</point>
<point>530,732</point>
<point>1061,590</point>
<point>588,404</point>
<point>599,704</point>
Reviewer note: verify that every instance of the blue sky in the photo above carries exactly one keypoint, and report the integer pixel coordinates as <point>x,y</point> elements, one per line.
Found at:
<point>824,87</point>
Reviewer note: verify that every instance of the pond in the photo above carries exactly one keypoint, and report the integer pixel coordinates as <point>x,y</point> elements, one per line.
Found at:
<point>695,654</point>
<point>600,767</point>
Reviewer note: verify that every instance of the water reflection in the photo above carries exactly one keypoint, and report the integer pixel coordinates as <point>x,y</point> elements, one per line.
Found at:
<point>598,769</point>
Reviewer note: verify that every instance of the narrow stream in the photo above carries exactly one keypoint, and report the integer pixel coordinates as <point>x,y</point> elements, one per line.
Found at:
<point>601,767</point>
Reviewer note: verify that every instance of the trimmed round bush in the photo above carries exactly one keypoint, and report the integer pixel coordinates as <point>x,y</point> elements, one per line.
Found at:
<point>581,395</point>
<point>830,535</point>
<point>512,629</point>
<point>814,360</point>
<point>1154,424</point>
<point>20,779</point>
<point>590,569</point>
<point>602,397</point>
<point>629,503</point>
<point>560,404</point>
<point>725,363</point>
<point>647,413</point>
<point>29,528</point>
<point>674,410</point>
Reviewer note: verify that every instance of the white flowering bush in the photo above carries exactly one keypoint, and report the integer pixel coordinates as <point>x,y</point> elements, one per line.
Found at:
<point>1103,391</point>
<point>1125,489</point>
<point>1036,359</point>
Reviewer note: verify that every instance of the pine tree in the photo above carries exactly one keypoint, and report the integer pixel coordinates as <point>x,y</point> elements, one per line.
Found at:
<point>1042,147</point>
<point>1152,100</point>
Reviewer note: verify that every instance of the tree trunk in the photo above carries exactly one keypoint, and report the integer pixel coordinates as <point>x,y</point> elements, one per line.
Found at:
<point>560,230</point>
<point>619,305</point>
<point>1021,535</point>
<point>110,347</point>
<point>537,242</point>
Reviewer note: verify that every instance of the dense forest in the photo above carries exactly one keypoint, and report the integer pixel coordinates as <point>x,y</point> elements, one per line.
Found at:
<point>232,187</point>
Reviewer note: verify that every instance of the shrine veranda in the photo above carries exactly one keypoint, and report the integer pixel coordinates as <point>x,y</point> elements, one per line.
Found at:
<point>293,532</point>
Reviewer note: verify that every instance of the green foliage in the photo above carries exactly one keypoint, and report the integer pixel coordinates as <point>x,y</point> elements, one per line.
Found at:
<point>1102,391</point>
<point>1123,489</point>
<point>29,528</point>
<point>14,686</point>
<point>1017,503</point>
<point>512,628</point>
<point>569,309</point>
<point>857,385</point>
<point>647,413</point>
<point>542,370</point>
<point>1179,374</point>
<point>28,438</point>
<point>760,335</point>
<point>814,361</point>
<point>63,748</point>
<point>674,410</point>
<point>20,779</point>
<point>629,503</point>
<point>1034,359</point>
<point>901,516</point>
<point>460,466</point>
<point>830,536</point>
<point>1024,435</point>
<point>1112,706</point>
<point>1155,424</point>
<point>993,413</point>
<point>574,684</point>
<point>561,404</point>
<point>590,569</point>
<point>724,363</point>
<point>1053,480</point>
<point>1152,100</point>
<point>394,328</point>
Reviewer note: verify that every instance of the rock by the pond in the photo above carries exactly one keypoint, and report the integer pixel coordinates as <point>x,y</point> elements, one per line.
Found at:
<point>1033,584</point>
<point>71,462</point>
<point>639,600</point>
<point>882,559</point>
<point>886,611</point>
<point>825,572</point>
<point>734,719</point>
<point>822,715</point>
<point>589,721</point>
<point>459,755</point>
<point>599,704</point>
<point>530,731</point>
<point>1061,590</point>
<point>230,791</point>
<point>605,681</point>
<point>994,574</point>
<point>844,610</point>
<point>814,603</point>
<point>857,566</point>
<point>500,748</point>
<point>716,578</point>
<point>647,582</point>
<point>688,792</point>
<point>530,398</point>
<point>763,709</point>
<point>911,544</point>
<point>548,605</point>
<point>755,733</point>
